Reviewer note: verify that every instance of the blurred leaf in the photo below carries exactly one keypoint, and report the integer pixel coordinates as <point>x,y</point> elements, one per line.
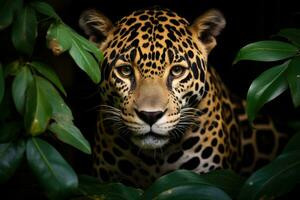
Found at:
<point>11,155</point>
<point>12,68</point>
<point>7,11</point>
<point>45,9</point>
<point>9,130</point>
<point>273,180</point>
<point>227,180</point>
<point>61,38</point>
<point>293,78</point>
<point>266,51</point>
<point>71,135</point>
<point>60,112</point>
<point>293,144</point>
<point>19,87</point>
<point>90,186</point>
<point>292,34</point>
<point>49,73</point>
<point>267,86</point>
<point>2,86</point>
<point>58,38</point>
<point>52,171</point>
<point>24,30</point>
<point>37,109</point>
<point>193,192</point>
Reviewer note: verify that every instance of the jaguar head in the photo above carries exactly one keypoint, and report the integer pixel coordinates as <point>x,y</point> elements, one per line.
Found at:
<point>154,70</point>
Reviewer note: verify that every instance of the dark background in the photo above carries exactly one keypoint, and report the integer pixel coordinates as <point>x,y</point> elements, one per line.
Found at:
<point>247,21</point>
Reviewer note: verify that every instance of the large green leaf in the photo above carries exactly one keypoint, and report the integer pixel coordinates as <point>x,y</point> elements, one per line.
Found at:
<point>7,11</point>
<point>71,135</point>
<point>60,112</point>
<point>54,174</point>
<point>2,86</point>
<point>45,9</point>
<point>49,73</point>
<point>19,87</point>
<point>58,38</point>
<point>90,186</point>
<point>293,78</point>
<point>273,180</point>
<point>11,155</point>
<point>37,109</point>
<point>270,84</point>
<point>24,30</point>
<point>292,34</point>
<point>193,192</point>
<point>266,51</point>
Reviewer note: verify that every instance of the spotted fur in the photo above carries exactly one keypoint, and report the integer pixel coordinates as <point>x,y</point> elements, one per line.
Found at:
<point>162,107</point>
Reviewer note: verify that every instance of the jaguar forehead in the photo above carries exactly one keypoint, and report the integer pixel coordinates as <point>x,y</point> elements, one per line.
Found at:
<point>151,39</point>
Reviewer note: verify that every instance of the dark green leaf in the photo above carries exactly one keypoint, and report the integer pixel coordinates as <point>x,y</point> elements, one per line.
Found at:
<point>293,78</point>
<point>226,180</point>
<point>71,135</point>
<point>85,60</point>
<point>266,51</point>
<point>60,111</point>
<point>90,186</point>
<point>54,174</point>
<point>292,34</point>
<point>2,86</point>
<point>273,180</point>
<point>12,68</point>
<point>7,11</point>
<point>9,130</point>
<point>45,9</point>
<point>19,87</point>
<point>267,86</point>
<point>37,109</point>
<point>171,180</point>
<point>58,38</point>
<point>49,73</point>
<point>11,155</point>
<point>293,144</point>
<point>24,30</point>
<point>193,192</point>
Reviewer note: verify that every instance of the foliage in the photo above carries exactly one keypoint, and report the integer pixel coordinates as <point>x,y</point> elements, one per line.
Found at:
<point>32,91</point>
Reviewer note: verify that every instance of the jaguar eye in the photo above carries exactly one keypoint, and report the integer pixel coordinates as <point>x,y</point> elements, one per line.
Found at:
<point>125,70</point>
<point>177,71</point>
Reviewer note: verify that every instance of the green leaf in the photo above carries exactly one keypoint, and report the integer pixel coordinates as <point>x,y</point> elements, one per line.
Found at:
<point>71,135</point>
<point>54,174</point>
<point>227,180</point>
<point>37,109</point>
<point>293,144</point>
<point>273,180</point>
<point>11,155</point>
<point>266,51</point>
<point>49,73</point>
<point>193,192</point>
<point>171,180</point>
<point>45,9</point>
<point>12,68</point>
<point>9,130</point>
<point>267,86</point>
<point>90,186</point>
<point>7,11</point>
<point>19,87</point>
<point>58,38</point>
<point>24,30</point>
<point>293,78</point>
<point>2,86</point>
<point>60,112</point>
<point>292,34</point>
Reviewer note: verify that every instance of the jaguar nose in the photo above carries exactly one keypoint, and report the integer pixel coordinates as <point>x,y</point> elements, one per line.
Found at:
<point>149,117</point>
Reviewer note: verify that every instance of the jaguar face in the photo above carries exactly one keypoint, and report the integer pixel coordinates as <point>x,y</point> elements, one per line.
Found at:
<point>153,73</point>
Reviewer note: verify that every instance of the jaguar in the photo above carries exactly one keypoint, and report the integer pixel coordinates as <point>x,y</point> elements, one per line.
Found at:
<point>163,107</point>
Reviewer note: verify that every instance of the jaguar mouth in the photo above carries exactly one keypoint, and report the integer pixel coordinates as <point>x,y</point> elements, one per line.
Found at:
<point>150,140</point>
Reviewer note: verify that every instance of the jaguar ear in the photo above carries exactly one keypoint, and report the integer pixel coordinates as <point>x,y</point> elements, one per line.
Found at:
<point>208,26</point>
<point>95,25</point>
